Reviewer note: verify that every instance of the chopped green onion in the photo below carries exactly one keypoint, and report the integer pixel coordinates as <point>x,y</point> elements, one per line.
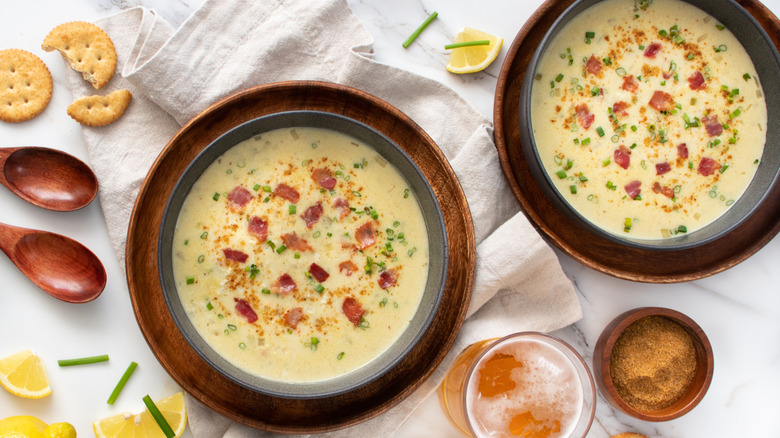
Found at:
<point>82,360</point>
<point>627,224</point>
<point>419,30</point>
<point>595,91</point>
<point>746,76</point>
<point>158,417</point>
<point>209,306</point>
<point>682,229</point>
<point>721,48</point>
<point>204,235</point>
<point>292,208</point>
<point>573,189</point>
<point>559,77</point>
<point>600,131</point>
<point>280,249</point>
<point>340,356</point>
<point>467,44</point>
<point>611,185</point>
<point>406,193</point>
<point>121,384</point>
<point>267,189</point>
<point>319,288</point>
<point>606,162</point>
<point>590,34</point>
<point>190,279</point>
<point>583,178</point>
<point>265,291</point>
<point>256,187</point>
<point>561,174</point>
<point>216,196</point>
<point>585,141</point>
<point>720,26</point>
<point>735,113</point>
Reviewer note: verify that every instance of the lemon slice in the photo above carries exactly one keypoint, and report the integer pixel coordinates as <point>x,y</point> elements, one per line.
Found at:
<point>24,374</point>
<point>473,58</point>
<point>143,425</point>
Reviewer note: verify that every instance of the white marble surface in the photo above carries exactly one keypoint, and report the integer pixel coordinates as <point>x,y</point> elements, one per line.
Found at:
<point>738,309</point>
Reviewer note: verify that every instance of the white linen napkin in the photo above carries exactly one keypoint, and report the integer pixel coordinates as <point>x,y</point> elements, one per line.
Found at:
<point>230,45</point>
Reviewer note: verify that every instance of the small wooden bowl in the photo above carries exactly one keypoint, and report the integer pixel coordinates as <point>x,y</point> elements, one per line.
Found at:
<point>701,379</point>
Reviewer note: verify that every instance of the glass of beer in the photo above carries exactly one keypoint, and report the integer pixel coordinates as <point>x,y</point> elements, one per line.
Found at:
<point>526,384</point>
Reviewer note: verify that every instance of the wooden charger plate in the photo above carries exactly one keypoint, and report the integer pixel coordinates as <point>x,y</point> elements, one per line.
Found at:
<point>212,388</point>
<point>622,261</point>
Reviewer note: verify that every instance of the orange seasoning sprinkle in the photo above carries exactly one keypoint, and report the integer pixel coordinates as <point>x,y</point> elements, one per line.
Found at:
<point>653,362</point>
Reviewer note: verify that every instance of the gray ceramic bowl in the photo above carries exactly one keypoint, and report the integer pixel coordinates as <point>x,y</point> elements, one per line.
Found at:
<point>436,236</point>
<point>767,62</point>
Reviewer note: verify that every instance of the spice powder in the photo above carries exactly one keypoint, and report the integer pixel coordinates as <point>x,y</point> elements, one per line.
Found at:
<point>653,362</point>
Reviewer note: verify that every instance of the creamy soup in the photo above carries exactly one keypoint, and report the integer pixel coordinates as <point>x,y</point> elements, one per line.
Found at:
<point>300,255</point>
<point>648,116</point>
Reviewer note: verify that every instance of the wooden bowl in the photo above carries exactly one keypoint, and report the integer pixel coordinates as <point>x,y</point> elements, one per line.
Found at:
<point>575,238</point>
<point>693,394</point>
<point>189,369</point>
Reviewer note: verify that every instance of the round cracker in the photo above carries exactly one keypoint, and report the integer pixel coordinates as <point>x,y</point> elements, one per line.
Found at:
<point>86,48</point>
<point>25,85</point>
<point>100,110</point>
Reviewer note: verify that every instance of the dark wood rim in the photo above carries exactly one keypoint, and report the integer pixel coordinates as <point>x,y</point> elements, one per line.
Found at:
<point>609,257</point>
<point>705,363</point>
<point>209,386</point>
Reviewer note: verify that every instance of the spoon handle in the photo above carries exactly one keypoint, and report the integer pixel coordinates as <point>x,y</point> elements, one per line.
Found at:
<point>9,235</point>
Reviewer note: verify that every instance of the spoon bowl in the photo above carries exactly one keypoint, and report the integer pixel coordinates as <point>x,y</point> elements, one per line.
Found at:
<point>48,178</point>
<point>62,267</point>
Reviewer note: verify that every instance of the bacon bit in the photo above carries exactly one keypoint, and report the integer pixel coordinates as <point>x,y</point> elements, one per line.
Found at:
<point>318,273</point>
<point>235,255</point>
<point>293,241</point>
<point>662,101</point>
<point>682,150</point>
<point>258,227</point>
<point>620,108</point>
<point>312,214</point>
<point>652,50</point>
<point>347,267</point>
<point>324,178</point>
<point>630,83</point>
<point>714,128</point>
<point>593,66</point>
<point>283,285</point>
<point>622,156</point>
<point>666,191</point>
<point>245,310</point>
<point>708,166</point>
<point>696,81</point>
<point>365,235</point>
<point>387,279</point>
<point>343,204</point>
<point>287,192</point>
<point>353,310</point>
<point>662,168</point>
<point>584,116</point>
<point>239,196</point>
<point>293,316</point>
<point>633,188</point>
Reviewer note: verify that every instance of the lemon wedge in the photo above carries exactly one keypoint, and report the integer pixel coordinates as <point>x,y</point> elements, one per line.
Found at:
<point>143,425</point>
<point>473,58</point>
<point>25,426</point>
<point>24,374</point>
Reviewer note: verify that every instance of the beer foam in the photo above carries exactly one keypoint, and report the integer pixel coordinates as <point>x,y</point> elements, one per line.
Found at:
<point>547,394</point>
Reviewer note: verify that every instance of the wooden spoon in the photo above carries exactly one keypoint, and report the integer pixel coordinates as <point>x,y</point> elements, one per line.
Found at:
<point>48,178</point>
<point>62,267</point>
